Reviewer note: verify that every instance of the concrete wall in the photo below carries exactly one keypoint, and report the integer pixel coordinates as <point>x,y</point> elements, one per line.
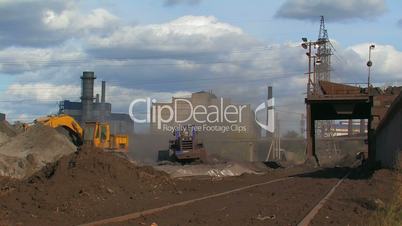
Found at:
<point>388,136</point>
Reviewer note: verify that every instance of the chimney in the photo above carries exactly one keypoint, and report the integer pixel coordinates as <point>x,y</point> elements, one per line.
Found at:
<point>269,92</point>
<point>87,95</point>
<point>269,97</point>
<point>103,101</point>
<point>103,96</point>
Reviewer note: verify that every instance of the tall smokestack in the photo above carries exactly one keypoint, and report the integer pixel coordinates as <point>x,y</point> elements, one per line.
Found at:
<point>269,97</point>
<point>269,92</point>
<point>87,94</point>
<point>103,101</point>
<point>103,93</point>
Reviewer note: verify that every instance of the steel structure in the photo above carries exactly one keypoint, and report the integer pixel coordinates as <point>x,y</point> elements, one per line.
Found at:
<point>320,70</point>
<point>324,53</point>
<point>328,101</point>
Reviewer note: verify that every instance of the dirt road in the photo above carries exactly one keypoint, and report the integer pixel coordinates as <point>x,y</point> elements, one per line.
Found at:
<point>93,186</point>
<point>280,203</point>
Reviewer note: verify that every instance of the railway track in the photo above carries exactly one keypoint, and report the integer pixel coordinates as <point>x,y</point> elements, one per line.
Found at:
<point>187,205</point>
<point>136,215</point>
<point>314,211</point>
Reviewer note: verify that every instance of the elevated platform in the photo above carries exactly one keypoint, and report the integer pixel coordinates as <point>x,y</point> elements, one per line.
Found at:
<point>336,102</point>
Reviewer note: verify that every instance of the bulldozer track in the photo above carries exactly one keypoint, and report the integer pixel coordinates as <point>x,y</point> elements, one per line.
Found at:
<point>136,215</point>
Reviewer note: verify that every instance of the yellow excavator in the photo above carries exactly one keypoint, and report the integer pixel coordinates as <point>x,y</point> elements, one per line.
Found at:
<point>96,134</point>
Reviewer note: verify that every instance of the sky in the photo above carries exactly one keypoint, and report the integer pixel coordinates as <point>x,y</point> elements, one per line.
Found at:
<point>165,48</point>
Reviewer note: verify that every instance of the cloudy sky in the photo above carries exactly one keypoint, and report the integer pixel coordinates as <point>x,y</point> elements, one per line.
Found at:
<point>164,48</point>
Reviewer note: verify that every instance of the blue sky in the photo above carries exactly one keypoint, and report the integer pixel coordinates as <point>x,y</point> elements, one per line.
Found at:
<point>257,18</point>
<point>233,47</point>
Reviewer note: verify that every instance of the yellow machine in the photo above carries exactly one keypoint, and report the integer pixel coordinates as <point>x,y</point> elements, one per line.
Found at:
<point>93,133</point>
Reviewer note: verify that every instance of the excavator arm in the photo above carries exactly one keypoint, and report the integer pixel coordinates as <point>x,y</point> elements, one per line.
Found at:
<point>96,134</point>
<point>67,122</point>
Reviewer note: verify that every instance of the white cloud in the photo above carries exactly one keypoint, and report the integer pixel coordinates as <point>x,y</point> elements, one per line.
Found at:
<point>333,10</point>
<point>180,38</point>
<point>27,59</point>
<point>73,20</point>
<point>42,92</point>
<point>386,61</point>
<point>181,2</point>
<point>49,23</point>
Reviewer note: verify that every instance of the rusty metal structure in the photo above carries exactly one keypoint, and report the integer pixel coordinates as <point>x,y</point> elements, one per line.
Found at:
<point>337,101</point>
<point>326,100</point>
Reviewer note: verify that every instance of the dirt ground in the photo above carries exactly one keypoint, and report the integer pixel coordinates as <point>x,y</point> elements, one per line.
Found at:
<point>92,185</point>
<point>358,198</point>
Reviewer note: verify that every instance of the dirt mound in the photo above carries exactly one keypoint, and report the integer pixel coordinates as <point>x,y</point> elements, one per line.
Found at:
<point>4,138</point>
<point>6,132</point>
<point>81,185</point>
<point>8,129</point>
<point>28,152</point>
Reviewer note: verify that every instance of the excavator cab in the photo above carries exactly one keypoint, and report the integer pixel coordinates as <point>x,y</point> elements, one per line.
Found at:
<point>98,135</point>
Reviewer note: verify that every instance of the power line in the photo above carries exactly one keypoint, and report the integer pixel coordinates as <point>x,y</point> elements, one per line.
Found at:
<point>231,79</point>
<point>188,57</point>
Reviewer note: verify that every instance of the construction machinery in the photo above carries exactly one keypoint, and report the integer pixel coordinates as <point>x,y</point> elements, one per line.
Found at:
<point>185,148</point>
<point>96,134</point>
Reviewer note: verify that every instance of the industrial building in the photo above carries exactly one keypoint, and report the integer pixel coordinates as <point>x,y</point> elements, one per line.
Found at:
<point>388,143</point>
<point>96,109</point>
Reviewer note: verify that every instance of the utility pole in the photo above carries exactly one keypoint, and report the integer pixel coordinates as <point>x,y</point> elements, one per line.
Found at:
<point>369,64</point>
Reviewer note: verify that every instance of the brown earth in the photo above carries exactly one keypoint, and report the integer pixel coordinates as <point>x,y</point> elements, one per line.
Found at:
<point>25,153</point>
<point>92,185</point>
<point>6,132</point>
<point>79,186</point>
<point>358,198</point>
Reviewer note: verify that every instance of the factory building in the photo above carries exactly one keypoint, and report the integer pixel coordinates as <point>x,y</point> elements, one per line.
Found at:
<point>96,109</point>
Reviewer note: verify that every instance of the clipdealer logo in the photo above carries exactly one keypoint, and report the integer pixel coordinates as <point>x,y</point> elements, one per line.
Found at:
<point>269,105</point>
<point>228,116</point>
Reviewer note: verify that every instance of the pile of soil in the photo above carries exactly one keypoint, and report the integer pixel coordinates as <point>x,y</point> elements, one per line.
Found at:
<point>6,132</point>
<point>26,153</point>
<point>79,187</point>
<point>8,129</point>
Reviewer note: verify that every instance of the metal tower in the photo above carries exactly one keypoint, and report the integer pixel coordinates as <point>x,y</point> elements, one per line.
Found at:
<point>323,72</point>
<point>324,52</point>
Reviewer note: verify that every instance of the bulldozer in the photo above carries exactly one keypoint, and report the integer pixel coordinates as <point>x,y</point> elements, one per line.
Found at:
<point>185,148</point>
<point>96,134</point>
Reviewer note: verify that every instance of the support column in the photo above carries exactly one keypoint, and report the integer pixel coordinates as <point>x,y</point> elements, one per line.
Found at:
<point>350,127</point>
<point>362,126</point>
<point>310,133</point>
<point>371,137</point>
